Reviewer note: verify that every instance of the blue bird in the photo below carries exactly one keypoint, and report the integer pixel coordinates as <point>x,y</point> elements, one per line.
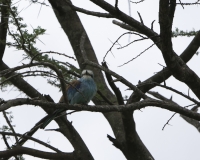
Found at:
<point>78,92</point>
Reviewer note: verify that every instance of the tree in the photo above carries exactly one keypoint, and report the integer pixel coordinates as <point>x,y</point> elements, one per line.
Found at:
<point>111,104</point>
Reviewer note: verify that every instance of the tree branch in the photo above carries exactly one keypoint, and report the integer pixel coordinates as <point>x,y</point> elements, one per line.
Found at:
<point>92,13</point>
<point>8,146</point>
<point>174,63</point>
<point>66,127</point>
<point>191,121</point>
<point>103,108</point>
<point>180,93</point>
<point>128,20</point>
<point>31,138</point>
<point>172,9</point>
<point>37,153</point>
<point>10,125</point>
<point>51,66</point>
<point>113,86</point>
<point>120,78</point>
<point>4,8</point>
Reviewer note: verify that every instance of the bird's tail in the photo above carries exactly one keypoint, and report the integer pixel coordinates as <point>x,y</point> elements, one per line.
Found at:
<point>46,120</point>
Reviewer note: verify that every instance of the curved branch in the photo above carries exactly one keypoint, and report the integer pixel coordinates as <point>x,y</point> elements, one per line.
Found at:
<point>103,108</point>
<point>31,138</point>
<point>10,125</point>
<point>175,64</point>
<point>180,93</point>
<point>163,75</point>
<point>8,146</point>
<point>113,86</point>
<point>128,20</point>
<point>37,153</point>
<point>92,13</point>
<point>51,66</point>
<point>120,78</point>
<point>191,49</point>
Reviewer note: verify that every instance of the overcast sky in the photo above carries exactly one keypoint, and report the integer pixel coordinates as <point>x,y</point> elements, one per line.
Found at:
<point>177,141</point>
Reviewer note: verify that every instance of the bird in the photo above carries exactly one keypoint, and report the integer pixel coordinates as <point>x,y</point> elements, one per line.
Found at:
<point>79,91</point>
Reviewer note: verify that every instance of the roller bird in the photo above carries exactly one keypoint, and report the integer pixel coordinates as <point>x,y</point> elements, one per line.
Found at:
<point>78,92</point>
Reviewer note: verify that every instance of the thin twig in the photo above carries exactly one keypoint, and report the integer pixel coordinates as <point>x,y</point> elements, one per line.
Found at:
<point>117,42</point>
<point>10,125</point>
<point>178,92</point>
<point>144,38</point>
<point>152,24</point>
<point>8,146</point>
<point>33,139</point>
<point>138,1</point>
<point>138,55</point>
<point>141,20</point>
<point>113,86</point>
<point>92,13</point>
<point>168,121</point>
<point>181,4</point>
<point>116,4</point>
<point>62,54</point>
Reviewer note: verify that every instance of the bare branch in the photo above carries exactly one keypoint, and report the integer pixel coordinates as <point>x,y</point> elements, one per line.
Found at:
<point>116,4</point>
<point>178,92</point>
<point>8,146</point>
<point>152,24</point>
<point>6,142</point>
<point>31,138</point>
<point>172,89</point>
<point>126,26</point>
<point>113,86</point>
<point>191,121</point>
<point>167,123</point>
<point>10,125</point>
<point>138,1</point>
<point>103,108</point>
<point>37,153</point>
<point>172,9</point>
<point>174,63</point>
<point>123,80</point>
<point>127,19</point>
<point>51,66</point>
<point>180,3</point>
<point>143,38</point>
<point>92,13</point>
<point>141,20</point>
<point>4,8</point>
<point>137,55</point>
<point>191,48</point>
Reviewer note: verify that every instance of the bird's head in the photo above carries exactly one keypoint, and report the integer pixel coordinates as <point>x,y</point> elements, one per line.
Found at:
<point>87,73</point>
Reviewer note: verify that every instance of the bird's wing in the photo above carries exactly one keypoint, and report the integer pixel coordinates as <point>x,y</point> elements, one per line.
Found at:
<point>71,89</point>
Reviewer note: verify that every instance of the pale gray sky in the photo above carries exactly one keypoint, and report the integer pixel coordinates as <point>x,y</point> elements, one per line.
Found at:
<point>178,141</point>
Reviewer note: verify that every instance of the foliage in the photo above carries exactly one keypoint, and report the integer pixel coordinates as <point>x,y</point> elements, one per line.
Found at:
<point>179,32</point>
<point>23,39</point>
